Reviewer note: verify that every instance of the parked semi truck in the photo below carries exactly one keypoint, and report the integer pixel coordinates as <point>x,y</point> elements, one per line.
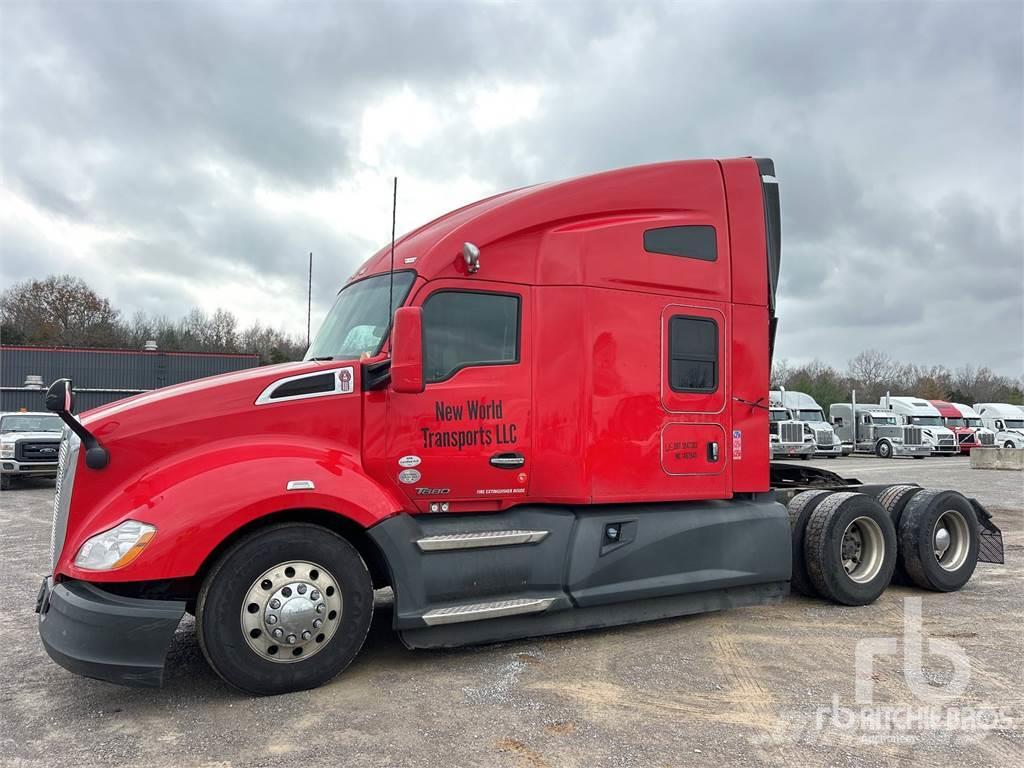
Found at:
<point>965,424</point>
<point>867,428</point>
<point>1006,420</point>
<point>787,436</point>
<point>922,413</point>
<point>563,426</point>
<point>805,409</point>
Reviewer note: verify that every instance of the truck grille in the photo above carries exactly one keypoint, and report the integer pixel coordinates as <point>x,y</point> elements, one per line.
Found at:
<point>945,440</point>
<point>824,437</point>
<point>987,439</point>
<point>66,462</point>
<point>912,436</point>
<point>791,433</point>
<point>37,450</point>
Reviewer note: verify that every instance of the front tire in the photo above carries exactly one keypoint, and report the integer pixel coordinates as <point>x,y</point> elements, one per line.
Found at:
<point>883,450</point>
<point>5,482</point>
<point>1008,444</point>
<point>258,610</point>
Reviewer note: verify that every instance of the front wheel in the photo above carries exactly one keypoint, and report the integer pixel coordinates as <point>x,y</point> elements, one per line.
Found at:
<point>284,609</point>
<point>5,482</point>
<point>1008,444</point>
<point>883,450</point>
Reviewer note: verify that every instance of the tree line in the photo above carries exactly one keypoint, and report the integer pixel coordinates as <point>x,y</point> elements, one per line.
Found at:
<point>63,311</point>
<point>872,374</point>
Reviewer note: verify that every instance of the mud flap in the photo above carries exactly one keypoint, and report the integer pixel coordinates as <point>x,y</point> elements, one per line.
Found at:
<point>990,538</point>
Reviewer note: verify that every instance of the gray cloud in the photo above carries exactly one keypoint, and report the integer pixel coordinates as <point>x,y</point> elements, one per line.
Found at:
<point>896,130</point>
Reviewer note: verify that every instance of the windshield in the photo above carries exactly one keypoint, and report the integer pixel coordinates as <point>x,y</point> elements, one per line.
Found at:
<point>926,421</point>
<point>951,422</point>
<point>774,415</point>
<point>30,423</point>
<point>883,419</point>
<point>973,422</point>
<point>358,322</point>
<point>811,414</point>
<point>1014,423</point>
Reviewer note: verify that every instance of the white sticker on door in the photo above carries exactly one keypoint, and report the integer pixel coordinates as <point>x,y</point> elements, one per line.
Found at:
<point>409,476</point>
<point>409,461</point>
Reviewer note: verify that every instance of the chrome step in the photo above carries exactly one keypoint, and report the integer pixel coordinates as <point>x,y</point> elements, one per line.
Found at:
<point>477,611</point>
<point>479,539</point>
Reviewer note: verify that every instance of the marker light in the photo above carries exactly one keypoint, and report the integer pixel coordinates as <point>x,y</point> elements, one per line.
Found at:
<point>115,548</point>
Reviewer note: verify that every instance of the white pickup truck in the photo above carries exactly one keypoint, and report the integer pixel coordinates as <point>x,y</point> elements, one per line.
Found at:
<point>29,445</point>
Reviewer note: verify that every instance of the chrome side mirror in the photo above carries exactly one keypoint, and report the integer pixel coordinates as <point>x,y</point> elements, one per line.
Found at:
<point>472,256</point>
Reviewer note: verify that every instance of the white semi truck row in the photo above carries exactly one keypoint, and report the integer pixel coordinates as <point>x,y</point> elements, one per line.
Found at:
<point>896,426</point>
<point>798,427</point>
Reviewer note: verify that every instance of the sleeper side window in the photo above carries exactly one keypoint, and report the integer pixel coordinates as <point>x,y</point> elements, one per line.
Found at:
<point>693,354</point>
<point>468,328</point>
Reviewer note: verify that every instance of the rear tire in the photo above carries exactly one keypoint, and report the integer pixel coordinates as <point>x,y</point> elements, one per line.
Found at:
<point>883,449</point>
<point>933,560</point>
<point>850,549</point>
<point>800,508</point>
<point>894,500</point>
<point>236,600</point>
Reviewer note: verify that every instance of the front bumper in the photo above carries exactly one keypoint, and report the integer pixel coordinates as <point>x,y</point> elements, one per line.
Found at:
<point>836,449</point>
<point>25,468</point>
<point>98,634</point>
<point>899,449</point>
<point>782,450</point>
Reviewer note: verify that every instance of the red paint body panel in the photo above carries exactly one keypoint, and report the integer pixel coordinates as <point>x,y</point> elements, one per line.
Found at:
<point>587,404</point>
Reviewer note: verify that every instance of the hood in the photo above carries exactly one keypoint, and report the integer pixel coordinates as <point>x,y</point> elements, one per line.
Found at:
<point>820,425</point>
<point>236,383</point>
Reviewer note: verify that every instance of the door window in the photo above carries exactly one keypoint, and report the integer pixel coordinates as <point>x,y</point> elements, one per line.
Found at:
<point>468,328</point>
<point>693,354</point>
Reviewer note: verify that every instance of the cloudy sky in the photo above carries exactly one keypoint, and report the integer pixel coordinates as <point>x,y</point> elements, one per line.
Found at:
<point>190,154</point>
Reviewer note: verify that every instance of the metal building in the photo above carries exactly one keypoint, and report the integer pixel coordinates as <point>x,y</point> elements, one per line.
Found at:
<point>102,375</point>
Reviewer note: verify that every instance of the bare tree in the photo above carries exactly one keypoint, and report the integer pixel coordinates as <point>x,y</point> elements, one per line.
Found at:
<point>59,311</point>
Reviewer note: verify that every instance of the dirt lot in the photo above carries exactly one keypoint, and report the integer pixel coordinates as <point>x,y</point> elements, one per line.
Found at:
<point>771,685</point>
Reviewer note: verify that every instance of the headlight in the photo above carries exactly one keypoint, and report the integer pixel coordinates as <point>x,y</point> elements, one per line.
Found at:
<point>115,548</point>
<point>7,450</point>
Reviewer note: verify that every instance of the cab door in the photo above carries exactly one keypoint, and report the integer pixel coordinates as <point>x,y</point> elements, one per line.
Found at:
<point>464,443</point>
<point>696,447</point>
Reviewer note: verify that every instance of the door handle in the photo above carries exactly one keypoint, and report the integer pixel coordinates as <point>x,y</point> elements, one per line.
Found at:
<point>507,460</point>
<point>712,452</point>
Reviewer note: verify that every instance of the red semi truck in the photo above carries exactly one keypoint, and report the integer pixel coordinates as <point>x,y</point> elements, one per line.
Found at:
<point>562,426</point>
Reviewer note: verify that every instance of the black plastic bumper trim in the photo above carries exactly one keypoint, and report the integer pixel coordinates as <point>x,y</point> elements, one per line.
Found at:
<point>98,634</point>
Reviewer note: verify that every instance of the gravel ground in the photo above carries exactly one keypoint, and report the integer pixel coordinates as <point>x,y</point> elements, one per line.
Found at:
<point>772,685</point>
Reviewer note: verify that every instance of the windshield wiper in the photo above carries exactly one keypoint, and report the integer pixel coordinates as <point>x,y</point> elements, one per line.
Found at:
<point>321,359</point>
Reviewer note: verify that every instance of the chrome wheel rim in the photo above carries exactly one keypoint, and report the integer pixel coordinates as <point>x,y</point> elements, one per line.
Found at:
<point>862,549</point>
<point>951,540</point>
<point>291,611</point>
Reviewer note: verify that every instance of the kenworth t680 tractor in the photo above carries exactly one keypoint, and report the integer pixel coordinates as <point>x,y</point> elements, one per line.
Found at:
<point>543,412</point>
